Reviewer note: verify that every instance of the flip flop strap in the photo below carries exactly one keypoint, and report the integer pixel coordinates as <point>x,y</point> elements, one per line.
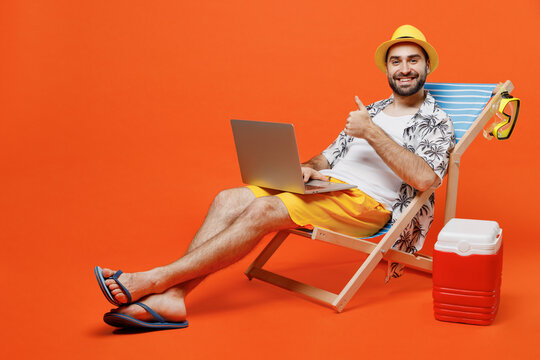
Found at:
<point>152,312</point>
<point>115,278</point>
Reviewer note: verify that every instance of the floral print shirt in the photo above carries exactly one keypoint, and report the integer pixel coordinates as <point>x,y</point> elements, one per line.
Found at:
<point>430,135</point>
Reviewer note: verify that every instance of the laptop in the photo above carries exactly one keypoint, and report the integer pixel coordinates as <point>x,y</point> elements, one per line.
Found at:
<point>268,157</point>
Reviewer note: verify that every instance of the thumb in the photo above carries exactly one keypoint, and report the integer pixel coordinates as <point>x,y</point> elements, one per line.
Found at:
<point>359,103</point>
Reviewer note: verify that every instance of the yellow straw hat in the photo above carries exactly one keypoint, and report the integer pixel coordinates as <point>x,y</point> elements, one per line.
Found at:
<point>406,33</point>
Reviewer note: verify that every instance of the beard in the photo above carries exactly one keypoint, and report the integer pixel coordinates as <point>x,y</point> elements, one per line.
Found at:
<point>420,80</point>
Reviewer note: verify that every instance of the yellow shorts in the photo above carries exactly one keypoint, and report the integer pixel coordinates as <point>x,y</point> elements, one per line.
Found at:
<point>350,212</point>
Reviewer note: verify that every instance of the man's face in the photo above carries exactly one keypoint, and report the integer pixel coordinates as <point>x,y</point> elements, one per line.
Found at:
<point>406,68</point>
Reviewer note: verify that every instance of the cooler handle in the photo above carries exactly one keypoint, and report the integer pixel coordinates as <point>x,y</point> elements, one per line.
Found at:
<point>499,236</point>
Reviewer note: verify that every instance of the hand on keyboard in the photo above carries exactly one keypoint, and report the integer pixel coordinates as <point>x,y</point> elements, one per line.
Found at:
<point>310,173</point>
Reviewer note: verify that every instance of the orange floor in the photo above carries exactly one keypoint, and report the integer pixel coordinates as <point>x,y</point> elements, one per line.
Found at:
<point>114,138</point>
<point>59,315</point>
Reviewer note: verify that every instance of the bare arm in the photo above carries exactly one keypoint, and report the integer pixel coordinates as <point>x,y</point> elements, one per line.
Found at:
<point>411,168</point>
<point>310,169</point>
<point>318,162</point>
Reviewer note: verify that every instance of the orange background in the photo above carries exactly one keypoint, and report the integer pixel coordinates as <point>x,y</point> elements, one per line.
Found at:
<point>115,137</point>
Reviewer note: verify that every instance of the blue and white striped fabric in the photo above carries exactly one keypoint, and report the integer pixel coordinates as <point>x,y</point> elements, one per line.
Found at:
<point>462,102</point>
<point>382,231</point>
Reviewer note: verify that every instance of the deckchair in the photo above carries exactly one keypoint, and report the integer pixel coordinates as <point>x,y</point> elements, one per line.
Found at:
<point>466,106</point>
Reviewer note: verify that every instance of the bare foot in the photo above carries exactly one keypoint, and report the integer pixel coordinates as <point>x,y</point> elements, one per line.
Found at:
<point>138,284</point>
<point>170,305</point>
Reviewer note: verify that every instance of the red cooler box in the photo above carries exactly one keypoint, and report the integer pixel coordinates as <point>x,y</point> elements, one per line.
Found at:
<point>467,269</point>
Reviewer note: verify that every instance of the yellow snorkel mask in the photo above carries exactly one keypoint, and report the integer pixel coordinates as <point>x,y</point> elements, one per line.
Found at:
<point>506,118</point>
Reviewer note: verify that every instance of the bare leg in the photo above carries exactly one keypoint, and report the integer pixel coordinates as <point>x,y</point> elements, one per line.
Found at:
<point>230,230</point>
<point>226,207</point>
<point>262,216</point>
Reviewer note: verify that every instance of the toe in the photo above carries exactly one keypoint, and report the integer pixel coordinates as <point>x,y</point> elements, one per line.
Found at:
<point>120,297</point>
<point>116,291</point>
<point>107,272</point>
<point>131,310</point>
<point>111,284</point>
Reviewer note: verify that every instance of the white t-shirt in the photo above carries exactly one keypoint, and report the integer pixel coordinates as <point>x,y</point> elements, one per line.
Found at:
<point>363,167</point>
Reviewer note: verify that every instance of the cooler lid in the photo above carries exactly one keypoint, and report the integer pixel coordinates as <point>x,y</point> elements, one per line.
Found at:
<point>468,237</point>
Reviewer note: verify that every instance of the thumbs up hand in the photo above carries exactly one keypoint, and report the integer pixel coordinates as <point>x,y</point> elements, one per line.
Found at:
<point>358,121</point>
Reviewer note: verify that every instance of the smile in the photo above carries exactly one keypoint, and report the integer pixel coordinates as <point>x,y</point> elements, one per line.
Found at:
<point>405,80</point>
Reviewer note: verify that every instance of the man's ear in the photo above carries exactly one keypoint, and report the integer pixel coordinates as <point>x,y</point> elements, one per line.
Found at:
<point>428,67</point>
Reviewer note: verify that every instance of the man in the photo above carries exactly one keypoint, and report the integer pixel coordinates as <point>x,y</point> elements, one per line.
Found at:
<point>390,149</point>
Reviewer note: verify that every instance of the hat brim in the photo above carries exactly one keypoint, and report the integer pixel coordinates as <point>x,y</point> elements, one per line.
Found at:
<point>380,53</point>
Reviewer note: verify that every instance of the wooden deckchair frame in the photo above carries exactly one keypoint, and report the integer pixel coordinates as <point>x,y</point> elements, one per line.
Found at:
<point>381,250</point>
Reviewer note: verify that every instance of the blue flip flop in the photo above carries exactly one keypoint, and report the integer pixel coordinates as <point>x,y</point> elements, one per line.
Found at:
<point>126,321</point>
<point>105,289</point>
